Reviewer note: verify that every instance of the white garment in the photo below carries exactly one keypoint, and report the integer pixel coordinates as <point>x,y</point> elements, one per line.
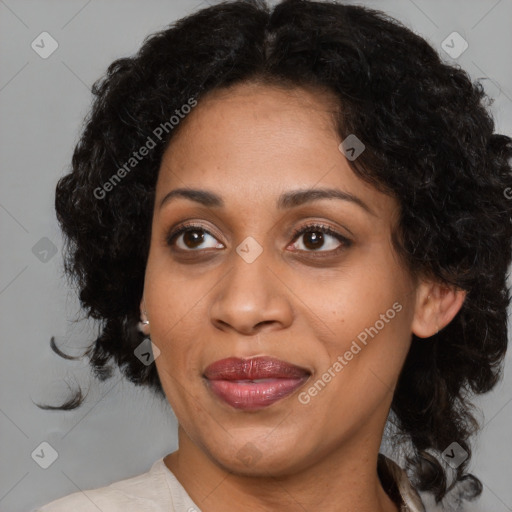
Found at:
<point>158,490</point>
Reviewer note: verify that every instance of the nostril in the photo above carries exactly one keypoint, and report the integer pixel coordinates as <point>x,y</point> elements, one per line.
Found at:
<point>265,322</point>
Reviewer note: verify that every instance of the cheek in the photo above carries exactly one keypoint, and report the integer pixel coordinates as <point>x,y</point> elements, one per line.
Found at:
<point>176,308</point>
<point>363,317</point>
<point>374,294</point>
<point>174,297</point>
<point>178,369</point>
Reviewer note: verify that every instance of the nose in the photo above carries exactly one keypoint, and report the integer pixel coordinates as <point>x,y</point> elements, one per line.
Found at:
<point>251,299</point>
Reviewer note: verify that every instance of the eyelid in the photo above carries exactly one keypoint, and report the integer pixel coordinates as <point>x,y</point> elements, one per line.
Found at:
<point>172,234</point>
<point>345,242</point>
<point>323,228</point>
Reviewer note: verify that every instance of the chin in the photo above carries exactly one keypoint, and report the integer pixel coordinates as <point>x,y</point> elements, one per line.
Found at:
<point>249,457</point>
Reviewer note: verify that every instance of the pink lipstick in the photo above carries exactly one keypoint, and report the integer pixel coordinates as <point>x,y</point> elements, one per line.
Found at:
<point>254,383</point>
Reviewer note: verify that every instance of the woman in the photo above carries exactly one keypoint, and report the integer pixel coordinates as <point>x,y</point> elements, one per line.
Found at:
<point>303,209</point>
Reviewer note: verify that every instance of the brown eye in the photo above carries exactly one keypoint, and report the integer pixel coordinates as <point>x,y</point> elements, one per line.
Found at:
<point>193,238</point>
<point>319,238</point>
<point>313,240</point>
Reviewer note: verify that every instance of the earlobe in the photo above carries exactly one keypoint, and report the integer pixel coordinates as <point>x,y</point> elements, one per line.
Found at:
<point>436,306</point>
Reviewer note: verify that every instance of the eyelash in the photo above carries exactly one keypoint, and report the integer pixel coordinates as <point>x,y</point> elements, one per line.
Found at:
<point>345,242</point>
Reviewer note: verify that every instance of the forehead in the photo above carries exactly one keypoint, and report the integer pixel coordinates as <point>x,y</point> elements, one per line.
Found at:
<point>257,141</point>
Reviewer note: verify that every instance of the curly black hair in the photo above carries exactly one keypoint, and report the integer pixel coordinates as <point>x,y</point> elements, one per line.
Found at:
<point>430,143</point>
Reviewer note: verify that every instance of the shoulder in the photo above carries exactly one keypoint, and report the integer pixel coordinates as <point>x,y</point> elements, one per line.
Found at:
<point>148,491</point>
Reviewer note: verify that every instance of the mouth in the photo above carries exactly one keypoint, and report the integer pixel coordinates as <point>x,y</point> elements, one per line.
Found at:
<point>254,383</point>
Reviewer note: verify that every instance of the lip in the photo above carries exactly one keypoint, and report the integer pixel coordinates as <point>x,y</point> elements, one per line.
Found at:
<point>233,381</point>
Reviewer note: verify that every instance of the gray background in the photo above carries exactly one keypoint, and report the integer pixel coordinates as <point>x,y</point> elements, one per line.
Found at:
<point>121,430</point>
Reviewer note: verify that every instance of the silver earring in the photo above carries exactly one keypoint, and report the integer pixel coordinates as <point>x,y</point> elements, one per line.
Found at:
<point>141,325</point>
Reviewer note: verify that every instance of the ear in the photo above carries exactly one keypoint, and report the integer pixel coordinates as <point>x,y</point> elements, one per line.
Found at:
<point>143,317</point>
<point>436,306</point>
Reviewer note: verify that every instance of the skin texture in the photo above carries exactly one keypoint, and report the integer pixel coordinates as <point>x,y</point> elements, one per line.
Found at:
<point>249,144</point>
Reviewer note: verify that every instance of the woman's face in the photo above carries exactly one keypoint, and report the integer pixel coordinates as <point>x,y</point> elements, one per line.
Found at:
<point>332,312</point>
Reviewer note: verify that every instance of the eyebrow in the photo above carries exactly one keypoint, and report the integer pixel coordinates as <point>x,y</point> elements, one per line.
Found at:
<point>290,199</point>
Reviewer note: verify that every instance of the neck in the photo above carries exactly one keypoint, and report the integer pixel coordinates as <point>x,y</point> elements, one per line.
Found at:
<point>344,481</point>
